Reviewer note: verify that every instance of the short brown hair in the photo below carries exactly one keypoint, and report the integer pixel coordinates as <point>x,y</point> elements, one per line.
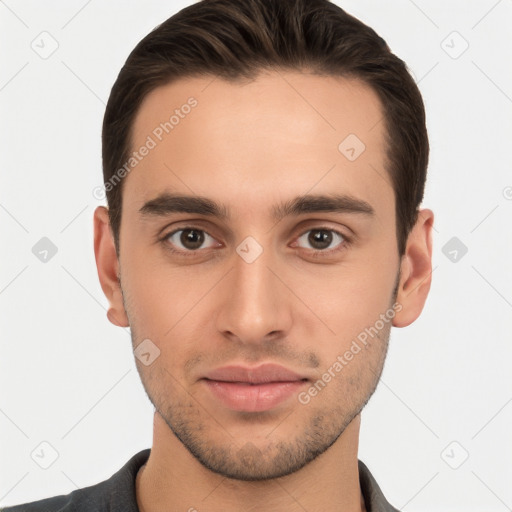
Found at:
<point>237,39</point>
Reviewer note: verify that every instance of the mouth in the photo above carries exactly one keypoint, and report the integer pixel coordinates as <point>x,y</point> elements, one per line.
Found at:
<point>253,389</point>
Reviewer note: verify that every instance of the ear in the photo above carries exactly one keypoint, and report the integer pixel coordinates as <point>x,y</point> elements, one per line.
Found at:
<point>108,267</point>
<point>416,270</point>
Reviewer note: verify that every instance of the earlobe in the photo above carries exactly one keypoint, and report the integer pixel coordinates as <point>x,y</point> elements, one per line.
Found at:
<point>107,265</point>
<point>111,315</point>
<point>416,270</point>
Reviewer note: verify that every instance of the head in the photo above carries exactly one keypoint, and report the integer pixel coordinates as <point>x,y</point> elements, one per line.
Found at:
<point>300,142</point>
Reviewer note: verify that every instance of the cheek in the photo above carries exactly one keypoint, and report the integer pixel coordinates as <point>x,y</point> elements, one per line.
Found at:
<point>348,304</point>
<point>160,295</point>
<point>348,380</point>
<point>349,301</point>
<point>166,304</point>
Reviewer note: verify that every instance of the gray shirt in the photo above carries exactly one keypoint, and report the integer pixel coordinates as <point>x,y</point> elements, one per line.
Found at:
<point>117,494</point>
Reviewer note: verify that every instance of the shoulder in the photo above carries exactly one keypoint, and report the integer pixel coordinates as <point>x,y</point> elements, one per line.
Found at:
<point>62,503</point>
<point>374,498</point>
<point>112,495</point>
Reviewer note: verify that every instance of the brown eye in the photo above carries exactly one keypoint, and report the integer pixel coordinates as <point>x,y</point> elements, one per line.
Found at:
<point>191,238</point>
<point>188,239</point>
<point>320,239</point>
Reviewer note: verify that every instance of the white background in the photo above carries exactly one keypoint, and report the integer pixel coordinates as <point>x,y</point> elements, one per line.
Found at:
<point>67,375</point>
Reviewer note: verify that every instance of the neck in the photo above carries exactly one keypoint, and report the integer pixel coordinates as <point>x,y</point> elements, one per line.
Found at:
<point>172,479</point>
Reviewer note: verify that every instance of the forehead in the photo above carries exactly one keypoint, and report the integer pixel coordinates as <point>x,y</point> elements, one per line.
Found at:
<point>283,133</point>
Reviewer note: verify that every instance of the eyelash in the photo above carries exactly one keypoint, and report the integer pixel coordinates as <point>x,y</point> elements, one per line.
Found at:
<point>315,253</point>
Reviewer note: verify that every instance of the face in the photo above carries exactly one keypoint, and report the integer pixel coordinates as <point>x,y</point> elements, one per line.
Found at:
<point>270,316</point>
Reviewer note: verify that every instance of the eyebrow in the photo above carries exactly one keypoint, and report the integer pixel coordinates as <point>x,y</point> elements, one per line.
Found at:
<point>167,203</point>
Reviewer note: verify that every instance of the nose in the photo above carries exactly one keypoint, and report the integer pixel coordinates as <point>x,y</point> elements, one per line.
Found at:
<point>255,304</point>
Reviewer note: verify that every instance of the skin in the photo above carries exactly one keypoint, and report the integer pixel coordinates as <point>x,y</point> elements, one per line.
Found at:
<point>250,145</point>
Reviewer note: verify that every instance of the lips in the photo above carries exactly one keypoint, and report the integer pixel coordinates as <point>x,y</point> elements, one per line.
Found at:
<point>262,374</point>
<point>253,389</point>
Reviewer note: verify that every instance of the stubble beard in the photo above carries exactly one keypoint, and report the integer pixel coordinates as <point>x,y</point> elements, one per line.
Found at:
<point>242,459</point>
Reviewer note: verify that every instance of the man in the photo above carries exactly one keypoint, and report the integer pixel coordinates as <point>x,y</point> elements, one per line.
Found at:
<point>264,163</point>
